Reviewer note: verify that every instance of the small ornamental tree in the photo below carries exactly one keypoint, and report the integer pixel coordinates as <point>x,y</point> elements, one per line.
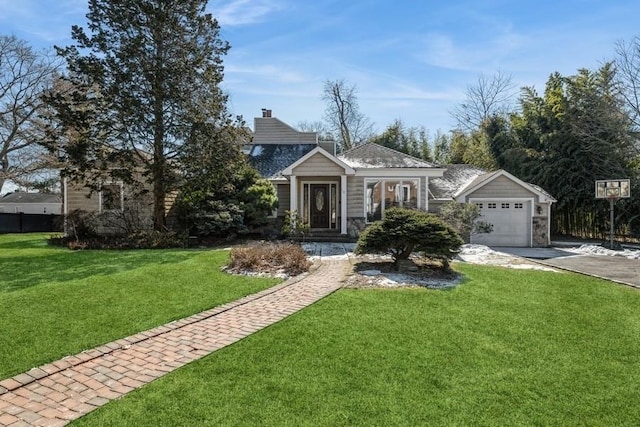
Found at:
<point>404,231</point>
<point>465,219</point>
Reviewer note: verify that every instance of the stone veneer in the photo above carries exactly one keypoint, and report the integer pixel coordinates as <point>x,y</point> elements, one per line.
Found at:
<point>355,226</point>
<point>540,238</point>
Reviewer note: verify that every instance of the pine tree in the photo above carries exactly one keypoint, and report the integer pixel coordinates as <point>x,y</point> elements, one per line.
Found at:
<point>143,73</point>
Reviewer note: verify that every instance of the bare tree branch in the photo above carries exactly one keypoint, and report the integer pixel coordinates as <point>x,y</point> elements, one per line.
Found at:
<point>24,76</point>
<point>628,71</point>
<point>490,95</point>
<point>343,115</point>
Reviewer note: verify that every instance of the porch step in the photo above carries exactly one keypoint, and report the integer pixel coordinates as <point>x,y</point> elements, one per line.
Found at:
<point>325,236</point>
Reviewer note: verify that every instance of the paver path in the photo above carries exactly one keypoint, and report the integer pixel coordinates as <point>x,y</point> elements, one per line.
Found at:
<point>54,394</point>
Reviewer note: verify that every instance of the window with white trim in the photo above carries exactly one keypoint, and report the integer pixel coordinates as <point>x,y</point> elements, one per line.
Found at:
<point>518,205</point>
<point>381,194</point>
<point>111,197</point>
<point>505,206</point>
<point>491,205</point>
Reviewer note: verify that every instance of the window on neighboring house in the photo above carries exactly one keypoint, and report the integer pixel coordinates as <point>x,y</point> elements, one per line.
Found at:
<point>111,197</point>
<point>383,194</point>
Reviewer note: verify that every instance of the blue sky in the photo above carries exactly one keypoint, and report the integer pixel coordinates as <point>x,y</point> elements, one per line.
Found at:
<point>411,60</point>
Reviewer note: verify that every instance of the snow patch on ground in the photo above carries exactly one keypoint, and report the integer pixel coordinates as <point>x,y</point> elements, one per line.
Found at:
<point>328,251</point>
<point>379,279</point>
<point>592,249</point>
<point>481,254</point>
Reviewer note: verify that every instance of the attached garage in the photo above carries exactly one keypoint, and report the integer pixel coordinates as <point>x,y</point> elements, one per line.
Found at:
<point>518,211</point>
<point>511,220</point>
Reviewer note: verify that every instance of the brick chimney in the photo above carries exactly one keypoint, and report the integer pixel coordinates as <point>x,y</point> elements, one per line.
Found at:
<point>266,113</point>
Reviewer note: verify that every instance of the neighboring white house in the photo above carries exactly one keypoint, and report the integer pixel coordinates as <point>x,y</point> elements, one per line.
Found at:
<point>342,193</point>
<point>31,203</point>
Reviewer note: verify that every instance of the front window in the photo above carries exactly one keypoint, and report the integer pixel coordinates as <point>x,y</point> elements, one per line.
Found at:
<point>111,197</point>
<point>387,193</point>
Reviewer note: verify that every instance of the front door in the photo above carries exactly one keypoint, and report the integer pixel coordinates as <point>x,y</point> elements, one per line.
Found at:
<point>319,205</point>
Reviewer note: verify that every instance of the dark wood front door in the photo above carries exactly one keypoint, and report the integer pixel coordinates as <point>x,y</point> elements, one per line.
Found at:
<point>319,205</point>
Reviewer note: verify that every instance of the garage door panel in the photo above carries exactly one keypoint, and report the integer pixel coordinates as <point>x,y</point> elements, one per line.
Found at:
<point>511,223</point>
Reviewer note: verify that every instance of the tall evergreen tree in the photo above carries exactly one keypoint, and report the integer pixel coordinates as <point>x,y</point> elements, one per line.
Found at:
<point>144,73</point>
<point>413,141</point>
<point>565,140</point>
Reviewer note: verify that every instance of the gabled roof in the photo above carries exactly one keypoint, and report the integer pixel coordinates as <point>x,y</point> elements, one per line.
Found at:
<point>454,177</point>
<point>31,198</point>
<point>486,178</point>
<point>271,159</point>
<point>375,156</point>
<point>318,150</point>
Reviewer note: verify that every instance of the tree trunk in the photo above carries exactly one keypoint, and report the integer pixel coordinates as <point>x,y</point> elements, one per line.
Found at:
<point>4,167</point>
<point>159,220</point>
<point>402,255</point>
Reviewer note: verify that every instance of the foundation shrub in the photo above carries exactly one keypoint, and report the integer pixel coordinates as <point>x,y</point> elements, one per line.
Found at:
<point>288,258</point>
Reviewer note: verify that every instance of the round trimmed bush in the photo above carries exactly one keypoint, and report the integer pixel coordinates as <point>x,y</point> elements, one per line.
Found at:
<point>404,231</point>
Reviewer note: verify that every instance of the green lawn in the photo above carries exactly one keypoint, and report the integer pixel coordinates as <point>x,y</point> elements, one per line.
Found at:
<point>55,302</point>
<point>507,347</point>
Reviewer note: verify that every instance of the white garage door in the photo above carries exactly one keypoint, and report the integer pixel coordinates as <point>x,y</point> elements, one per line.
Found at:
<point>511,221</point>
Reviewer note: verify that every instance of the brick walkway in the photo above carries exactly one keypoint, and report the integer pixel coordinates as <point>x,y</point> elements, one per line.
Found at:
<point>55,394</point>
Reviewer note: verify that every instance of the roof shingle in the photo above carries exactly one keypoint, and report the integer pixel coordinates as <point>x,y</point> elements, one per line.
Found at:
<point>374,156</point>
<point>271,159</point>
<point>31,198</point>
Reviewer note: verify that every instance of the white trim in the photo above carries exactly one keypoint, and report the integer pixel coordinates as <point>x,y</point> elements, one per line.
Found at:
<point>65,203</point>
<point>293,194</point>
<point>318,150</point>
<point>65,196</point>
<point>426,193</point>
<point>343,204</point>
<point>399,172</point>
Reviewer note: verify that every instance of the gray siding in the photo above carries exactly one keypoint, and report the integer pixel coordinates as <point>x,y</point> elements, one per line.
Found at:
<point>80,198</point>
<point>318,165</point>
<point>355,197</point>
<point>269,130</point>
<point>502,187</point>
<point>284,198</point>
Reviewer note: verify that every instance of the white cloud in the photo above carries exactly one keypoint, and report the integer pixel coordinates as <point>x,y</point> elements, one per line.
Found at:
<point>265,71</point>
<point>243,12</point>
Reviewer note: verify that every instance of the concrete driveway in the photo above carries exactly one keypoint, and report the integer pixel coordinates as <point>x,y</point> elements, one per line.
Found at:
<point>614,268</point>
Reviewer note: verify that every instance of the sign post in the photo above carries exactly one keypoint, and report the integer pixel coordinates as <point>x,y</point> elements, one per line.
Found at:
<point>612,190</point>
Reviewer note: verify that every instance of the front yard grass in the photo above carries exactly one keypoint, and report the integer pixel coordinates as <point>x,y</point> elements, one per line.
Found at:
<point>56,302</point>
<point>507,347</point>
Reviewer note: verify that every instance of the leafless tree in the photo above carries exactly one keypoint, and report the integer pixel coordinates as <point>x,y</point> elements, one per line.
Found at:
<point>628,72</point>
<point>488,96</point>
<point>342,113</point>
<point>324,134</point>
<point>24,75</point>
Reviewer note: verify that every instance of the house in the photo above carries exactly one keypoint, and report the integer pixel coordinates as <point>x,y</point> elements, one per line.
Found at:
<point>31,203</point>
<point>339,194</point>
<point>342,193</point>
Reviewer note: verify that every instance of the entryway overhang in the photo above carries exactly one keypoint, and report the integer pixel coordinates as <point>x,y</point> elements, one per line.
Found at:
<point>309,174</point>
